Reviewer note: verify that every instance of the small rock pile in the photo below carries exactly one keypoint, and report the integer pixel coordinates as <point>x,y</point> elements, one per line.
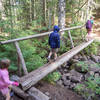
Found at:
<point>73,73</point>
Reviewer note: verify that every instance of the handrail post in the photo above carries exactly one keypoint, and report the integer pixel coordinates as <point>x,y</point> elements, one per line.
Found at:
<point>21,57</point>
<point>19,67</point>
<point>70,38</point>
<point>82,35</point>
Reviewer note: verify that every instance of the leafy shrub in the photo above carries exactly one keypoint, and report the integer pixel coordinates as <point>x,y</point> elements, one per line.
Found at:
<point>83,65</point>
<point>52,77</point>
<point>90,88</point>
<point>8,51</point>
<point>79,88</point>
<point>93,48</point>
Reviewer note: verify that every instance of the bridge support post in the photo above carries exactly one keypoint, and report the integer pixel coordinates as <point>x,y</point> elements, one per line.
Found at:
<point>21,58</point>
<point>82,35</point>
<point>71,39</point>
<point>19,66</point>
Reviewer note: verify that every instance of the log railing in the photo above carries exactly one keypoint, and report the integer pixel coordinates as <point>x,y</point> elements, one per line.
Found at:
<point>38,35</point>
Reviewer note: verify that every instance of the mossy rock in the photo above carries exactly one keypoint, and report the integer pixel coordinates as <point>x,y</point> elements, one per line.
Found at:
<point>80,67</point>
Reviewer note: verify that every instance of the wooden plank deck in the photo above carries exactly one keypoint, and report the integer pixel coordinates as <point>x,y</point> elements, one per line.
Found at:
<point>32,78</point>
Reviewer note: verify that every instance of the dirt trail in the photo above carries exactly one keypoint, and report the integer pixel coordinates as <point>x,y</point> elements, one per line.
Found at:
<point>96,27</point>
<point>57,92</point>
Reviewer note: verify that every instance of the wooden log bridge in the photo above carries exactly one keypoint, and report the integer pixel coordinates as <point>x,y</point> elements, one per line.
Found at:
<point>32,78</point>
<point>20,56</point>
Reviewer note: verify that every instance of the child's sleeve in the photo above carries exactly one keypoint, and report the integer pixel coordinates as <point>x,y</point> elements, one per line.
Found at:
<point>6,80</point>
<point>49,39</point>
<point>58,41</point>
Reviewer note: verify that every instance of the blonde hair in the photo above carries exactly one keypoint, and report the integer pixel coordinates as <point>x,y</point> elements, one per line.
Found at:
<point>4,63</point>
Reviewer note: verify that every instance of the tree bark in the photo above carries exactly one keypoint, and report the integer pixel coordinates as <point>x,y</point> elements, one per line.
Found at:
<point>20,92</point>
<point>2,10</point>
<point>33,10</point>
<point>61,15</point>
<point>44,12</point>
<point>37,95</point>
<point>21,58</point>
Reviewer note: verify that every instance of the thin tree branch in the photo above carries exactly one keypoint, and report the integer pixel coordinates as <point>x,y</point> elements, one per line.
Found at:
<point>81,7</point>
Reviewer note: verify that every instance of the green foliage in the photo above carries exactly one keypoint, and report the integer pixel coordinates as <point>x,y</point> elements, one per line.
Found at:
<point>8,51</point>
<point>79,88</point>
<point>92,49</point>
<point>63,48</point>
<point>91,87</point>
<point>53,77</point>
<point>76,32</point>
<point>83,65</point>
<point>32,57</point>
<point>13,68</point>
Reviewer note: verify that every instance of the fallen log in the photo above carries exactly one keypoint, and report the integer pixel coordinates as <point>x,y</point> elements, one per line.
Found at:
<point>20,92</point>
<point>32,78</point>
<point>35,94</point>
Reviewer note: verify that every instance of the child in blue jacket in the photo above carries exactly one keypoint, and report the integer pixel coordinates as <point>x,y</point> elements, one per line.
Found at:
<point>54,42</point>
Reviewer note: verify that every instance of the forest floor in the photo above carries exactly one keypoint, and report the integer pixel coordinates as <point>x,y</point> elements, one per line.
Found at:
<point>57,92</point>
<point>96,28</point>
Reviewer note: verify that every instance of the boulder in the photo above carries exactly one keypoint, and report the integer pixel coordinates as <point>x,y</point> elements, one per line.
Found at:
<point>67,82</point>
<point>64,77</point>
<point>89,74</point>
<point>96,75</point>
<point>95,58</point>
<point>75,76</point>
<point>80,68</point>
<point>84,58</point>
<point>72,85</point>
<point>14,78</point>
<point>60,82</point>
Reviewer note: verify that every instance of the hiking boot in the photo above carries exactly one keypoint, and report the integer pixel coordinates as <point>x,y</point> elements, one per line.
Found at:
<point>55,59</point>
<point>48,59</point>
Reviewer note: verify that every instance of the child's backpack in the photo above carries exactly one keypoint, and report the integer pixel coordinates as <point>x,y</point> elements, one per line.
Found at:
<point>88,24</point>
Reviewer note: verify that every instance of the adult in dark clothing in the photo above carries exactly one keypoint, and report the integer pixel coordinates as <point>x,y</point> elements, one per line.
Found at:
<point>54,42</point>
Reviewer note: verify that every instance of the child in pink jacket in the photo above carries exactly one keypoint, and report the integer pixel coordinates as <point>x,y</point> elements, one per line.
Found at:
<point>4,78</point>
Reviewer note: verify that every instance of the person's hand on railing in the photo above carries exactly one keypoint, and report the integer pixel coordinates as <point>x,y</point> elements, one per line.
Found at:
<point>15,83</point>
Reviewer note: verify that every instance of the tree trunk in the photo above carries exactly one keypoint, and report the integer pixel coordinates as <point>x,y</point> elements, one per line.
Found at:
<point>50,19</point>
<point>61,15</point>
<point>2,10</point>
<point>87,12</point>
<point>54,13</point>
<point>30,11</point>
<point>44,12</point>
<point>33,9</point>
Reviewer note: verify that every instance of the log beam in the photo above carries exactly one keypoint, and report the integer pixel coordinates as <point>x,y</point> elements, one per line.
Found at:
<point>71,39</point>
<point>32,78</point>
<point>20,92</point>
<point>38,35</point>
<point>37,95</point>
